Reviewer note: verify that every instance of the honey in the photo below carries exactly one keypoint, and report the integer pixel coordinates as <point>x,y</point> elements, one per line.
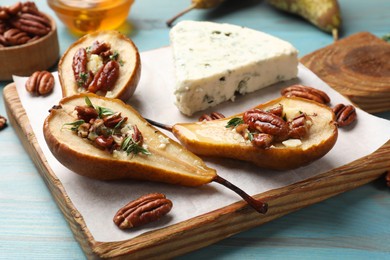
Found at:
<point>85,16</point>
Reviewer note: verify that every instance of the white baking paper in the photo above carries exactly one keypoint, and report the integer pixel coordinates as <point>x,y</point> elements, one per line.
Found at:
<point>98,201</point>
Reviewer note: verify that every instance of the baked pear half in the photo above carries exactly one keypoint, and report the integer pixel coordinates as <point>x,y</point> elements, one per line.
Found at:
<point>106,139</point>
<point>282,134</point>
<point>106,63</point>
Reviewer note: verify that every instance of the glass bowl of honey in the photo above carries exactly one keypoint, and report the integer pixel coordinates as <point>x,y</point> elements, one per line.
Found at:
<point>85,16</point>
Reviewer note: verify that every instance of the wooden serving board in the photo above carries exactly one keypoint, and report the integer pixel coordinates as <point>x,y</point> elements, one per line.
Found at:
<point>208,228</point>
<point>358,67</point>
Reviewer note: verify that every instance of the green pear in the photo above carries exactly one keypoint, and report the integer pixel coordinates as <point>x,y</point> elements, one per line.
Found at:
<point>325,14</point>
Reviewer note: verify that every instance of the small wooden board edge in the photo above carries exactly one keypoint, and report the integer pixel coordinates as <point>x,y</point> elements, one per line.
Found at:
<point>206,229</point>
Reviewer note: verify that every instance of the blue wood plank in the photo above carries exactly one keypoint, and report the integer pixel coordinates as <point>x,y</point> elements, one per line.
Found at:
<point>352,225</point>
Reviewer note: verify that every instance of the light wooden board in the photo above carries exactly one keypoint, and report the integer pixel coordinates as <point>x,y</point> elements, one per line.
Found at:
<point>358,67</point>
<point>205,229</point>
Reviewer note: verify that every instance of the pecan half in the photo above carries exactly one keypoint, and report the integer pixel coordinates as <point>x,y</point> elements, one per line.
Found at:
<point>15,8</point>
<point>30,7</point>
<point>4,15</point>
<point>306,92</point>
<point>212,116</point>
<point>299,126</point>
<point>277,111</point>
<point>112,120</point>
<point>3,122</point>
<point>137,135</point>
<point>267,123</point>
<point>79,67</point>
<point>262,140</point>
<point>345,114</point>
<point>146,209</point>
<point>40,83</point>
<point>15,36</point>
<point>86,113</point>
<point>34,24</point>
<point>105,78</point>
<point>101,48</point>
<point>104,142</point>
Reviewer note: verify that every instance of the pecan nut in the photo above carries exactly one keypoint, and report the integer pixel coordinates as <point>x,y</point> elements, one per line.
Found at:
<point>104,142</point>
<point>212,116</point>
<point>299,126</point>
<point>34,24</point>
<point>105,78</point>
<point>4,15</point>
<point>15,36</point>
<point>3,122</point>
<point>40,83</point>
<point>307,93</point>
<point>79,67</point>
<point>30,7</point>
<point>277,111</point>
<point>101,48</point>
<point>262,140</point>
<point>137,135</point>
<point>15,8</point>
<point>86,113</point>
<point>146,209</point>
<point>267,123</point>
<point>113,120</point>
<point>345,114</point>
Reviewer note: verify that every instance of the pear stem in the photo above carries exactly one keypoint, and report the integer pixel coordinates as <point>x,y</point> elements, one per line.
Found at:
<point>170,21</point>
<point>161,125</point>
<point>258,205</point>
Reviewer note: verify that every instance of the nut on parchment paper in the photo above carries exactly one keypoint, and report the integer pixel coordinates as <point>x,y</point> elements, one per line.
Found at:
<point>212,116</point>
<point>3,122</point>
<point>306,92</point>
<point>345,114</point>
<point>146,209</point>
<point>40,83</point>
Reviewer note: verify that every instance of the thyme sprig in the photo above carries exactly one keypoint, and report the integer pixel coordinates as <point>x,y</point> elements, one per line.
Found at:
<point>75,125</point>
<point>129,146</point>
<point>102,111</point>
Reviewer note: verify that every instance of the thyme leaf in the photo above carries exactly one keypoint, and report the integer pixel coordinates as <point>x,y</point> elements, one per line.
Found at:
<point>75,125</point>
<point>129,146</point>
<point>102,111</point>
<point>83,77</point>
<point>235,121</point>
<point>88,101</point>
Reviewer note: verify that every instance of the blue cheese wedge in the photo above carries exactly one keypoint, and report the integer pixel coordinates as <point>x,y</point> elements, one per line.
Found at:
<point>213,62</point>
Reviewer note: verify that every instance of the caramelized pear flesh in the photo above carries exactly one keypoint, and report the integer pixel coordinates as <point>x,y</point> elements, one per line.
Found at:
<point>167,162</point>
<point>213,138</point>
<point>120,48</point>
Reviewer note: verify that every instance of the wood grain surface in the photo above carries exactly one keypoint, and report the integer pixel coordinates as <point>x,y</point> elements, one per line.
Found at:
<point>206,229</point>
<point>358,67</point>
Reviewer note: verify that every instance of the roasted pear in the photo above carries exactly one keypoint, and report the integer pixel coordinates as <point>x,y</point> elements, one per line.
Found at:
<point>325,14</point>
<point>106,139</point>
<point>106,63</point>
<point>311,132</point>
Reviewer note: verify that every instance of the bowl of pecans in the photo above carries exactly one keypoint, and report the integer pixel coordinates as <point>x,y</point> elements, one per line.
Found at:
<point>28,40</point>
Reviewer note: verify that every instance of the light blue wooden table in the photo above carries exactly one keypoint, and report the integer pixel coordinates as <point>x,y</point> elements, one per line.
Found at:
<point>354,225</point>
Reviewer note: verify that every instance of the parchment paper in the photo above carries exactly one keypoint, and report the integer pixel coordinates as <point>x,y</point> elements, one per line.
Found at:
<point>98,201</point>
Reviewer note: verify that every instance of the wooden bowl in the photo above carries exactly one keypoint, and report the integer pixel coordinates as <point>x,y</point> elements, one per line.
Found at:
<point>23,60</point>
